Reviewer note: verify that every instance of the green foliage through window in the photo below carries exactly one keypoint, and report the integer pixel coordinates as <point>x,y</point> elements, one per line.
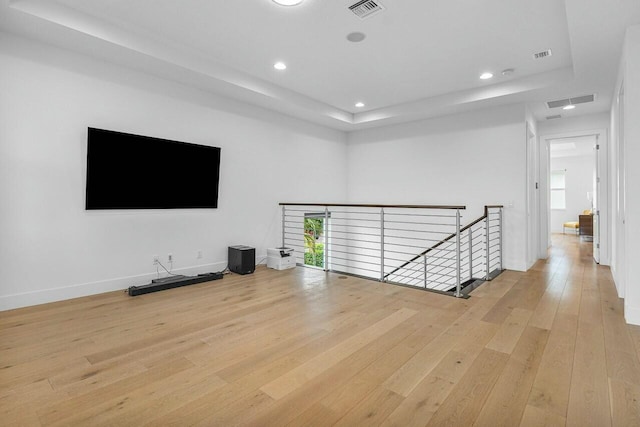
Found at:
<point>316,259</point>
<point>313,250</point>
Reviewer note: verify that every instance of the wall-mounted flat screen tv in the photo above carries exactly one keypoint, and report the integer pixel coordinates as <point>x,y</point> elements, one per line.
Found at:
<point>126,171</point>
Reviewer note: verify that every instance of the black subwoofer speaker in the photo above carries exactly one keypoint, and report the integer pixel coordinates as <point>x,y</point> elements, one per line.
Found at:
<point>242,259</point>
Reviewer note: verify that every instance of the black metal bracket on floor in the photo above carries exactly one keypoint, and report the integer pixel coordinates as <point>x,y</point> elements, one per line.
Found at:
<point>472,284</point>
<point>495,273</point>
<point>172,282</point>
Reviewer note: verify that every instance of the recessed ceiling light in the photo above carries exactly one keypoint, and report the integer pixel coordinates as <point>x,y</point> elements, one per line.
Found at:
<point>280,66</point>
<point>359,104</point>
<point>507,72</point>
<point>569,107</point>
<point>486,76</point>
<point>356,37</point>
<point>288,2</point>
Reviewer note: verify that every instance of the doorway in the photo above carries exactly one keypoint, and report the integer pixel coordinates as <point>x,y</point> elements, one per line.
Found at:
<point>574,188</point>
<point>314,239</point>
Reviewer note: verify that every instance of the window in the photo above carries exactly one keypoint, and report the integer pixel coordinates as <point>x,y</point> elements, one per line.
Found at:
<point>558,188</point>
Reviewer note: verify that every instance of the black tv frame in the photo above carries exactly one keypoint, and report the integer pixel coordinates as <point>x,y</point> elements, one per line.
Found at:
<point>126,171</point>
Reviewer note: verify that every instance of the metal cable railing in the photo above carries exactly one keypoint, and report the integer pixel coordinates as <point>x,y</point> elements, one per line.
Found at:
<point>421,246</point>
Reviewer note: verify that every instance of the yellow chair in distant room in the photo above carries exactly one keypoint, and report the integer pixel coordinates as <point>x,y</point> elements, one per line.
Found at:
<point>574,225</point>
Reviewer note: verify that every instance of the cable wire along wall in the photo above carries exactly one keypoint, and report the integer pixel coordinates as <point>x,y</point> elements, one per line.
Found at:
<point>423,246</point>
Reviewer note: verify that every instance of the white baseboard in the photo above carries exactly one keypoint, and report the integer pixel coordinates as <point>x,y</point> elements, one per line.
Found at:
<point>517,266</point>
<point>616,281</point>
<point>43,296</point>
<point>632,314</point>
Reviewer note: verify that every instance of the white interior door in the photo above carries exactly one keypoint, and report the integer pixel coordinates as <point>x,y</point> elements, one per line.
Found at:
<point>532,198</point>
<point>620,242</point>
<point>595,206</point>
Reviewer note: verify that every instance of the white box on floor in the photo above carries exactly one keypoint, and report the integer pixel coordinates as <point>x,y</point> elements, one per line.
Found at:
<point>281,258</point>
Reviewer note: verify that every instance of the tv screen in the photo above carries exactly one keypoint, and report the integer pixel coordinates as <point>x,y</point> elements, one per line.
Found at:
<point>126,171</point>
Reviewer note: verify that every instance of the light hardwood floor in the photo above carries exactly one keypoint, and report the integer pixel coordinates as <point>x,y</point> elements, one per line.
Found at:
<point>298,347</point>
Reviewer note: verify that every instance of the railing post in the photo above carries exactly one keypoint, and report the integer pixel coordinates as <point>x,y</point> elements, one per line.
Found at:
<point>458,253</point>
<point>470,253</point>
<point>382,244</point>
<point>284,213</point>
<point>425,270</point>
<point>488,276</point>
<point>325,262</point>
<point>500,231</point>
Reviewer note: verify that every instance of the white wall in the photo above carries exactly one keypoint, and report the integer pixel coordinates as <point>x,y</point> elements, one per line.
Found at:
<point>627,218</point>
<point>52,249</point>
<point>471,159</point>
<point>578,181</point>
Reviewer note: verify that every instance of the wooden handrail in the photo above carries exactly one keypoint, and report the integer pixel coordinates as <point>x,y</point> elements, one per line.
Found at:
<point>356,205</point>
<point>443,241</point>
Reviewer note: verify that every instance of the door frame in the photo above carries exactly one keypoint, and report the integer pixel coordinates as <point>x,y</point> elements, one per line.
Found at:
<point>604,197</point>
<point>619,209</point>
<point>532,195</point>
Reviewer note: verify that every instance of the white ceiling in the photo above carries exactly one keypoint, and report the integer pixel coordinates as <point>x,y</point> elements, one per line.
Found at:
<point>420,58</point>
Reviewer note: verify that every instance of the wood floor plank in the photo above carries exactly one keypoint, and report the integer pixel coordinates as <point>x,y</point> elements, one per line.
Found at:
<point>164,397</point>
<point>201,408</point>
<point>530,297</point>
<point>622,359</point>
<point>509,333</point>
<point>634,331</point>
<point>235,413</point>
<point>364,362</point>
<point>422,403</point>
<point>536,417</point>
<point>550,391</point>
<point>466,400</point>
<point>508,399</point>
<point>454,365</point>
<point>589,402</point>
<point>476,310</point>
<point>373,409</point>
<point>546,309</point>
<point>411,373</point>
<point>64,411</point>
<point>84,378</point>
<point>570,301</point>
<point>158,393</point>
<point>361,399</point>
<point>335,405</point>
<point>148,341</point>
<point>503,307</point>
<point>18,407</point>
<point>625,398</point>
<point>427,396</point>
<point>298,376</point>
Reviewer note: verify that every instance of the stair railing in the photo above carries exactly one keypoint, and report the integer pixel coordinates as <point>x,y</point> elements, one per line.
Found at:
<point>387,243</point>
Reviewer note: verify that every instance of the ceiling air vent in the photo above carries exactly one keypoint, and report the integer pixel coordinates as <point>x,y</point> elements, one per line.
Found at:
<point>571,101</point>
<point>366,8</point>
<point>557,116</point>
<point>542,54</point>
